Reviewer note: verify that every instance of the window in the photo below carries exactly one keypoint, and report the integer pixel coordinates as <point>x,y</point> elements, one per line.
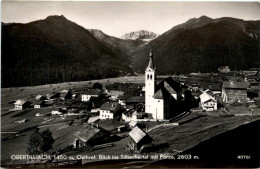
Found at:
<point>147,77</point>
<point>151,77</point>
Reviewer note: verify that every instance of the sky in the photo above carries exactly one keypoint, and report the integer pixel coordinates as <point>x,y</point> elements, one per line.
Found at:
<point>116,18</point>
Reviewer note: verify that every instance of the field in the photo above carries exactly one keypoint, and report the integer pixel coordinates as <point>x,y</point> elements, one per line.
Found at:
<point>193,129</point>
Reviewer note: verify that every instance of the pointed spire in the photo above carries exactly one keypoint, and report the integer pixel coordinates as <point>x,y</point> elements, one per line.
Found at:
<point>151,64</point>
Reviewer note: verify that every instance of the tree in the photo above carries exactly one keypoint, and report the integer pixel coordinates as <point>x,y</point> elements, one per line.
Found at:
<point>40,142</point>
<point>97,86</point>
<point>47,140</point>
<point>34,143</point>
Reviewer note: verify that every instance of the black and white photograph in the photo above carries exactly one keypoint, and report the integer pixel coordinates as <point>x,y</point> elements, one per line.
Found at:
<point>130,84</point>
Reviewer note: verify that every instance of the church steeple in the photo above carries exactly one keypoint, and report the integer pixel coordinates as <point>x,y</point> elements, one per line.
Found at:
<point>151,64</point>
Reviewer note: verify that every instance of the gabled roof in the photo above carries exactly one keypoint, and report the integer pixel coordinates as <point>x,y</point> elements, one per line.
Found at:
<point>111,106</point>
<point>20,102</point>
<point>39,102</point>
<point>137,134</point>
<point>92,92</point>
<point>87,132</point>
<point>204,97</point>
<point>158,94</point>
<point>167,87</point>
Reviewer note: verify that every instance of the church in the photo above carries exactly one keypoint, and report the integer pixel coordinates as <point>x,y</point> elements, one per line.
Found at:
<point>162,100</point>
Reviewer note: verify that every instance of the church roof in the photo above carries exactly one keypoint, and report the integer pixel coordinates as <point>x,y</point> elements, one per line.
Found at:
<point>166,88</point>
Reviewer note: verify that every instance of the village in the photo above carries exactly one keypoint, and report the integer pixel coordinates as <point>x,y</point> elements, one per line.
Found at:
<point>128,117</point>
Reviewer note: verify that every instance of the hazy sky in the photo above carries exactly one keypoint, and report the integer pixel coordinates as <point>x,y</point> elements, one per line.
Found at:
<point>116,17</point>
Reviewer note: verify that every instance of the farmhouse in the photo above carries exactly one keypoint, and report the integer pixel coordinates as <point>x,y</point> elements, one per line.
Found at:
<point>90,136</point>
<point>109,110</point>
<point>87,94</point>
<point>114,94</point>
<point>208,103</point>
<point>162,100</point>
<point>234,91</point>
<point>39,104</point>
<point>65,94</point>
<point>139,138</point>
<point>21,104</point>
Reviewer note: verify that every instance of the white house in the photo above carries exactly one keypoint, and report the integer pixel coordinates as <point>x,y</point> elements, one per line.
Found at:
<point>57,111</point>
<point>162,100</point>
<point>208,102</point>
<point>21,104</point>
<point>109,110</point>
<point>87,94</point>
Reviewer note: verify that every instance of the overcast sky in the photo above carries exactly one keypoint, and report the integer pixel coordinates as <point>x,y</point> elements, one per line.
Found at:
<point>116,17</point>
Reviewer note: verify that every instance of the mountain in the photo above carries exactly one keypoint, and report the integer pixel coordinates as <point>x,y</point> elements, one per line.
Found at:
<point>142,34</point>
<point>127,45</point>
<point>56,50</point>
<point>202,45</point>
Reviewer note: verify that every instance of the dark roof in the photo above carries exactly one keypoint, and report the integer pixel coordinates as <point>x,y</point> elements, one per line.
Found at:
<point>167,87</point>
<point>39,102</point>
<point>87,132</point>
<point>135,99</point>
<point>92,92</point>
<point>235,85</point>
<point>111,106</point>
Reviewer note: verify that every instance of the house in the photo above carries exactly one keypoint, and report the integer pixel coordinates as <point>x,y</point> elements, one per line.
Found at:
<point>208,103</point>
<point>87,94</point>
<point>162,101</point>
<point>39,104</point>
<point>109,110</point>
<point>89,136</point>
<point>234,91</point>
<point>53,95</point>
<point>121,100</point>
<point>21,104</point>
<point>139,138</point>
<point>114,94</point>
<point>65,94</point>
<point>40,97</point>
<point>57,111</point>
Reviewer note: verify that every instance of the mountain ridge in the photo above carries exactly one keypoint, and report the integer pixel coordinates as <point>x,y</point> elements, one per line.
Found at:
<point>56,50</point>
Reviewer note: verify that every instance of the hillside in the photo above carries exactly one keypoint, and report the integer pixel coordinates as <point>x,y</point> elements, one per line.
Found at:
<point>56,50</point>
<point>203,44</point>
<point>125,45</point>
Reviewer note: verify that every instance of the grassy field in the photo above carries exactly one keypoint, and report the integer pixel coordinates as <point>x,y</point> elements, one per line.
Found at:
<point>193,129</point>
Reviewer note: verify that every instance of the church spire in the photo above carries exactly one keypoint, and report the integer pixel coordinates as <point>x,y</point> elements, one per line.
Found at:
<point>151,64</point>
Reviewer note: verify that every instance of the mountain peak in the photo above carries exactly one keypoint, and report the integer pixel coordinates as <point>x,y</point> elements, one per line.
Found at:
<point>56,17</point>
<point>141,34</point>
<point>204,17</point>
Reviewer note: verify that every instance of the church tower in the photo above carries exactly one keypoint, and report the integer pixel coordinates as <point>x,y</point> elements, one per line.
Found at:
<point>150,77</point>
